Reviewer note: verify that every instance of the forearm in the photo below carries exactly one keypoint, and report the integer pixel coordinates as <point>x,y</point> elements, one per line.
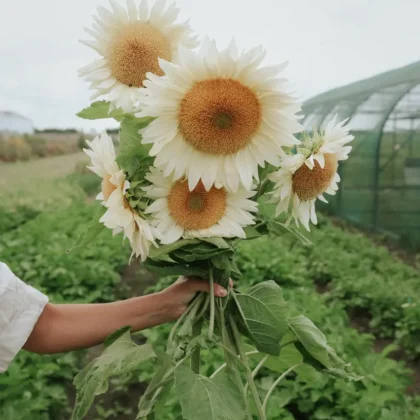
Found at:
<point>62,328</point>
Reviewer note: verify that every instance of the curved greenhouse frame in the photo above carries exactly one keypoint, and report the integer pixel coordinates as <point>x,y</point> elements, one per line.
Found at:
<point>381,180</point>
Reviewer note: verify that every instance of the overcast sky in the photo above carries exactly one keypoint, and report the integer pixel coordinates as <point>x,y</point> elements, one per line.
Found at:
<point>327,43</point>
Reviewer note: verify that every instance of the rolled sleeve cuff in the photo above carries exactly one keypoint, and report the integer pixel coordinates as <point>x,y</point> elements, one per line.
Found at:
<point>20,308</point>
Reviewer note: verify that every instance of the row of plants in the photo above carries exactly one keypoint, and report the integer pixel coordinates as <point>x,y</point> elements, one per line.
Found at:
<point>373,280</point>
<point>34,244</point>
<point>352,269</point>
<point>380,395</point>
<point>20,148</point>
<point>34,239</point>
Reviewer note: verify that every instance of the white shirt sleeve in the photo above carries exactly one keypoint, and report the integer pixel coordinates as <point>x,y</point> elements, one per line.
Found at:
<point>20,308</point>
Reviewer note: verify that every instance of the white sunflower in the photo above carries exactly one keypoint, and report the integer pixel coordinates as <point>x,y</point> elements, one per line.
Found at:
<point>200,213</point>
<point>311,173</point>
<point>119,217</point>
<point>220,116</point>
<point>130,41</point>
<point>141,235</point>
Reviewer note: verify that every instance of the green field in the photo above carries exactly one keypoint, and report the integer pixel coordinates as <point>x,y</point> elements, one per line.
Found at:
<point>17,175</point>
<point>345,283</point>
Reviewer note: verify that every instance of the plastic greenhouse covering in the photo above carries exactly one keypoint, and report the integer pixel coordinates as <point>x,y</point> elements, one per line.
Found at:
<point>380,186</point>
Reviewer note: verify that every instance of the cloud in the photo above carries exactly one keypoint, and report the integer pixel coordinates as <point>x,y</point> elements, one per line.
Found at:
<point>327,43</point>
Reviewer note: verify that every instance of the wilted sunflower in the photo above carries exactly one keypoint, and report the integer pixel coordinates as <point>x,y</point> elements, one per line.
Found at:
<point>220,116</point>
<point>311,173</point>
<point>200,213</point>
<point>130,42</point>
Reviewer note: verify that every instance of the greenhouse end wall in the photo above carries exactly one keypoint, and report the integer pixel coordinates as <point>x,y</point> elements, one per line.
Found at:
<point>380,182</point>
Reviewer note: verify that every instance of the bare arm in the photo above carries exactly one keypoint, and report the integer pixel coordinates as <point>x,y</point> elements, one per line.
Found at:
<point>62,328</point>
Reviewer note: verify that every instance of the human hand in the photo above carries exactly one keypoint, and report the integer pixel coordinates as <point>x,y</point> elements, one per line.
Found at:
<point>179,295</point>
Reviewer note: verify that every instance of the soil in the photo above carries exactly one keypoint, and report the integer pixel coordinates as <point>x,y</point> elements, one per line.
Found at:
<point>322,288</point>
<point>360,320</point>
<point>137,278</point>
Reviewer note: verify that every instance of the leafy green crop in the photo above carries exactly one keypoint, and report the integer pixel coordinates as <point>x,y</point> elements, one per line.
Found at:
<point>356,272</point>
<point>35,246</point>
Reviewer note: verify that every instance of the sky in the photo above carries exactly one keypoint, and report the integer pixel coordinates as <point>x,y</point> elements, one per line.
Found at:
<point>327,43</point>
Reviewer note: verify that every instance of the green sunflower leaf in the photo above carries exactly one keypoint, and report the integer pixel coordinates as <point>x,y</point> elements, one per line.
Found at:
<point>314,341</point>
<point>290,356</point>
<point>122,356</point>
<point>148,399</point>
<point>89,235</point>
<point>316,351</point>
<point>133,155</point>
<point>211,399</point>
<point>279,229</point>
<point>199,252</point>
<point>100,110</point>
<point>166,269</point>
<point>219,242</point>
<point>263,313</point>
<point>158,253</point>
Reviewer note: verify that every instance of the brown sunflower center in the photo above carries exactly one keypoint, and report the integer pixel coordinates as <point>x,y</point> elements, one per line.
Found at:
<point>197,209</point>
<point>309,183</point>
<point>135,51</point>
<point>107,187</point>
<point>219,116</point>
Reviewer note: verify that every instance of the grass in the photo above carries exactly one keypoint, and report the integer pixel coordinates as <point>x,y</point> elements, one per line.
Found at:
<point>17,175</point>
<point>39,184</point>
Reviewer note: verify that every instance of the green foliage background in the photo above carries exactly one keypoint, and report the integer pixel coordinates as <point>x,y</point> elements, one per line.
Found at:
<point>352,271</point>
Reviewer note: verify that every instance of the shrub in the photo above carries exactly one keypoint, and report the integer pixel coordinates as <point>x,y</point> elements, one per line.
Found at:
<point>81,143</point>
<point>14,148</point>
<point>38,145</point>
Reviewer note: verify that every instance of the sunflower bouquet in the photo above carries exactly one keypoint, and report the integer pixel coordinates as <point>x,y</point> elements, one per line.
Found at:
<point>207,138</point>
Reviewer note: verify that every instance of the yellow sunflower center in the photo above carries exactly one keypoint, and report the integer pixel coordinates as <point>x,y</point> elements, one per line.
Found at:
<point>309,183</point>
<point>135,51</point>
<point>219,116</point>
<point>107,187</point>
<point>197,209</point>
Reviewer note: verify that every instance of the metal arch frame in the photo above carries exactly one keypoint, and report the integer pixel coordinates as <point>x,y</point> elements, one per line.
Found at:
<point>324,115</point>
<point>408,140</point>
<point>378,152</point>
<point>340,168</point>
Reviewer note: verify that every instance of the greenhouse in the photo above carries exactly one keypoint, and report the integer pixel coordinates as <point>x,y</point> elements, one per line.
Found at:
<point>380,186</point>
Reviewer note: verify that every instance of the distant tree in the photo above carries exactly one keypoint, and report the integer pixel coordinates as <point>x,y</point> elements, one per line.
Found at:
<point>112,131</point>
<point>81,142</point>
<point>58,131</point>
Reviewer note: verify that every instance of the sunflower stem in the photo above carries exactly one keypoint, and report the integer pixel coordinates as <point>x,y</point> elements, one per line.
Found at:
<point>165,380</point>
<point>195,355</point>
<point>221,367</point>
<point>204,308</point>
<point>170,343</point>
<point>276,382</point>
<point>255,372</point>
<point>212,304</point>
<point>261,189</point>
<point>248,373</point>
<point>230,354</point>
